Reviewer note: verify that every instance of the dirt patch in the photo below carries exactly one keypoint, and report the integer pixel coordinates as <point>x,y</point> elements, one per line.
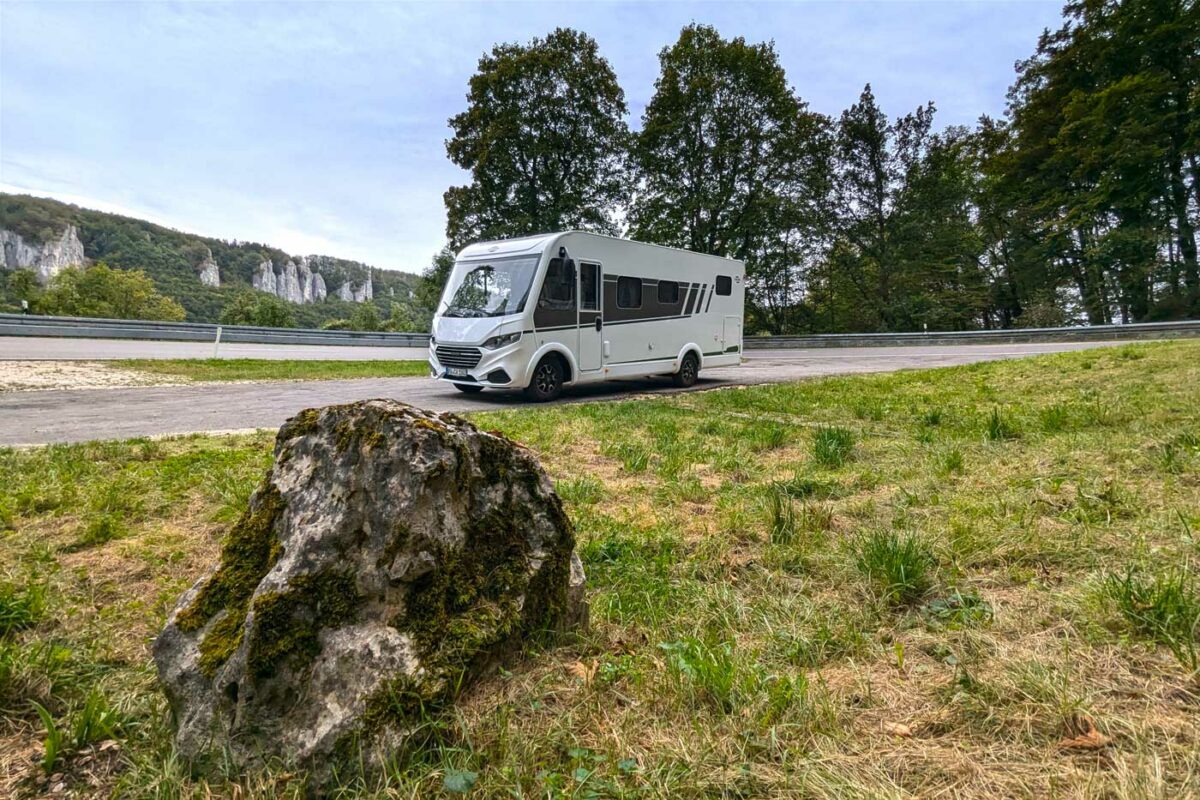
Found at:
<point>24,376</point>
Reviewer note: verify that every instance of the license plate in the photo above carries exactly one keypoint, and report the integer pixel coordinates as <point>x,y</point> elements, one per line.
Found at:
<point>456,372</point>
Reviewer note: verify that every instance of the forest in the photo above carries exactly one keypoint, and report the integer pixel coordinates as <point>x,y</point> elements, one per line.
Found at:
<point>1078,206</point>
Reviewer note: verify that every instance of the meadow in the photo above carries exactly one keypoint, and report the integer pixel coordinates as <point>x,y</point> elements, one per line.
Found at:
<point>972,582</point>
<point>205,370</point>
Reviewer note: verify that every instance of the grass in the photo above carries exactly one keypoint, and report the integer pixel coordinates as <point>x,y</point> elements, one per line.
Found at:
<point>207,370</point>
<point>991,557</point>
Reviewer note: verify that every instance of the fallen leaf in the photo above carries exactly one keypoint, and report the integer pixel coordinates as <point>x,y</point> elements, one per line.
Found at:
<point>1089,739</point>
<point>585,672</point>
<point>897,729</point>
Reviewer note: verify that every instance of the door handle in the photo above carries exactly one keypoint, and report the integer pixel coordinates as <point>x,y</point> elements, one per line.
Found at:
<point>599,323</point>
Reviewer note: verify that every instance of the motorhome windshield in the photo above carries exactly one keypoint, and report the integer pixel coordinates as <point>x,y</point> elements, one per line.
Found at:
<point>491,289</point>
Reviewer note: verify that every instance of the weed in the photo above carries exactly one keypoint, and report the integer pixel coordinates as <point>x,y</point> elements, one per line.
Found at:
<point>958,610</point>
<point>998,427</point>
<point>782,519</point>
<point>1164,607</point>
<point>580,491</point>
<point>21,606</point>
<point>768,436</point>
<point>708,669</point>
<point>952,462</point>
<point>899,566</point>
<point>53,743</point>
<point>101,529</point>
<point>832,446</point>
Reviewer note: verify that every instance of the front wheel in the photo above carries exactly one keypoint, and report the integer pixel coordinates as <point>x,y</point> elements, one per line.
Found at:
<point>469,388</point>
<point>547,380</point>
<point>688,370</point>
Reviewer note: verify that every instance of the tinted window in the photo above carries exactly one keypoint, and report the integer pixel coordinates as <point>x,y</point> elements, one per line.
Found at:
<point>589,282</point>
<point>724,284</point>
<point>558,291</point>
<point>629,292</point>
<point>668,292</point>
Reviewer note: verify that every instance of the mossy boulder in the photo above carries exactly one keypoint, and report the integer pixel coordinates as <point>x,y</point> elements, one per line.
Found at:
<point>389,556</point>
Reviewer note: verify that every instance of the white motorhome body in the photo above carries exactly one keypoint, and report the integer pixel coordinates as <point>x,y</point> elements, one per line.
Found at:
<point>571,308</point>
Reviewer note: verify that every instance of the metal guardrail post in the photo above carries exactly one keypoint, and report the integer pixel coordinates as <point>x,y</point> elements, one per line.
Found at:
<point>217,344</point>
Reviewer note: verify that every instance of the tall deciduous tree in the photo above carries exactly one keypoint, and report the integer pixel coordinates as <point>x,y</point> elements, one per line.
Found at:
<point>101,291</point>
<point>731,162</point>
<point>545,140</point>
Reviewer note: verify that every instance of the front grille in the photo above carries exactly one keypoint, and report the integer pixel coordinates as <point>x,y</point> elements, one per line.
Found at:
<point>451,356</point>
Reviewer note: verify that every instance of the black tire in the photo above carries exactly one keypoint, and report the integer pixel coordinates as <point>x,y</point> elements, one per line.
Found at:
<point>547,381</point>
<point>688,370</point>
<point>469,388</point>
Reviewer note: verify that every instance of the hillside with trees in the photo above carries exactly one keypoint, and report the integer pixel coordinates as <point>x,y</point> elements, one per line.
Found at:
<point>1080,206</point>
<point>170,260</point>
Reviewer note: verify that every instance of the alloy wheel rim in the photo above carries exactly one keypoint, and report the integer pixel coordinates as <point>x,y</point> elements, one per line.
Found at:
<point>545,379</point>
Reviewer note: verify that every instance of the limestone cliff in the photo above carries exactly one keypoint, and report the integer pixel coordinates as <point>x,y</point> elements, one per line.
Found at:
<point>209,272</point>
<point>296,283</point>
<point>48,259</point>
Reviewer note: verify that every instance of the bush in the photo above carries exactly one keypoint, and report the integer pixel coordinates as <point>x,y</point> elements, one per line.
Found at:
<point>252,307</point>
<point>107,293</point>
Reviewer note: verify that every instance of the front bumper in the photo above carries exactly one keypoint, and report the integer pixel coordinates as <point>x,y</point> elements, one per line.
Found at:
<point>500,368</point>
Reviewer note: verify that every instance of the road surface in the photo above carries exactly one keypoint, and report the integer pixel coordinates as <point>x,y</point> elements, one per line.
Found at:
<point>38,348</point>
<point>40,417</point>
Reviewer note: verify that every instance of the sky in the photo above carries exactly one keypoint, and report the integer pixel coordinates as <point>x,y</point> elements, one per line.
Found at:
<point>320,128</point>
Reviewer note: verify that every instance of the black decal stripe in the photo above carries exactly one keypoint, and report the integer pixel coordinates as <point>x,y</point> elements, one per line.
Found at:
<point>608,324</point>
<point>715,353</point>
<point>710,297</point>
<point>700,302</point>
<point>691,300</point>
<point>640,361</point>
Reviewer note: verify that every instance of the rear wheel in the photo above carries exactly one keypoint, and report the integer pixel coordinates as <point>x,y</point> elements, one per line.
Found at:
<point>469,388</point>
<point>688,370</point>
<point>547,380</point>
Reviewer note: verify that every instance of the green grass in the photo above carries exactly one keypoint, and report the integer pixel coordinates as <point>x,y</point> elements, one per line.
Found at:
<point>259,369</point>
<point>986,554</point>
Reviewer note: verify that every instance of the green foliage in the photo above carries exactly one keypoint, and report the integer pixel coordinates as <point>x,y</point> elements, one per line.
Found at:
<point>21,605</point>
<point>1164,607</point>
<point>899,566</point>
<point>101,291</point>
<point>832,446</point>
<point>544,139</point>
<point>365,318</point>
<point>252,307</point>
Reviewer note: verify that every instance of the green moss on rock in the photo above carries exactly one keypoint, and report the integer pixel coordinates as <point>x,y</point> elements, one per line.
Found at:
<point>247,554</point>
<point>286,623</point>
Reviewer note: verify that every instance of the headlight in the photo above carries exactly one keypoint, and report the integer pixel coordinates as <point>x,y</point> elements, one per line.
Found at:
<point>501,341</point>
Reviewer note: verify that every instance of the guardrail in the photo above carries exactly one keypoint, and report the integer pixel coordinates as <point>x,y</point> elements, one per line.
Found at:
<point>83,327</point>
<point>1099,333</point>
<point>86,328</point>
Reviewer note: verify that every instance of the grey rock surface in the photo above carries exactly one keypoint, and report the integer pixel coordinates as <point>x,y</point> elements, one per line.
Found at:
<point>48,259</point>
<point>390,555</point>
<point>208,271</point>
<point>296,282</point>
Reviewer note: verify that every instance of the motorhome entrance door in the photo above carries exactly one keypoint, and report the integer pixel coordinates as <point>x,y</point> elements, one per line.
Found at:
<point>591,317</point>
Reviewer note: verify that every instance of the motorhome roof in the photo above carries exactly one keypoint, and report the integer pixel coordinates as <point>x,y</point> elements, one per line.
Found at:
<point>530,245</point>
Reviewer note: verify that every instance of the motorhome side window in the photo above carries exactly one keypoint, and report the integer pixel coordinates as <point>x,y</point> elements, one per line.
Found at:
<point>558,290</point>
<point>629,292</point>
<point>668,292</point>
<point>724,284</point>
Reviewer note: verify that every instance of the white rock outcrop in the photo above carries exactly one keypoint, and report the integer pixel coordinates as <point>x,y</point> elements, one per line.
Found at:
<point>357,294</point>
<point>209,272</point>
<point>295,283</point>
<point>48,259</point>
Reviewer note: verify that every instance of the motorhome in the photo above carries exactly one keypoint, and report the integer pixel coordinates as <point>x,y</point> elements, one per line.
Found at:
<point>543,312</point>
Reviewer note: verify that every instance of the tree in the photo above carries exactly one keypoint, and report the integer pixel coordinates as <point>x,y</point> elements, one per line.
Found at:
<point>544,139</point>
<point>731,162</point>
<point>252,307</point>
<point>365,318</point>
<point>433,280</point>
<point>1105,153</point>
<point>101,291</point>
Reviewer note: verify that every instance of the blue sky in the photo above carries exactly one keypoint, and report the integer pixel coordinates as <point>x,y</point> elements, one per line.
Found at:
<point>319,128</point>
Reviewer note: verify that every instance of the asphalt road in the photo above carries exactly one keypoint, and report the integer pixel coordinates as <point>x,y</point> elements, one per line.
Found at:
<point>37,348</point>
<point>40,417</point>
